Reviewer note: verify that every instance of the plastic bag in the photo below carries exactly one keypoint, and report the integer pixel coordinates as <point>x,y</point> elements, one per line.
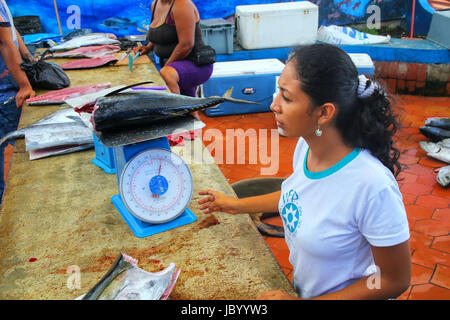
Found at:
<point>344,35</point>
<point>45,75</point>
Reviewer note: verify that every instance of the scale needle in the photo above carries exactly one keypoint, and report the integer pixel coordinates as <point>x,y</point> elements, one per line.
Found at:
<point>159,172</point>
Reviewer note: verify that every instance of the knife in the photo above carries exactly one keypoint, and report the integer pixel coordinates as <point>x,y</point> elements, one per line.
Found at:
<point>125,54</point>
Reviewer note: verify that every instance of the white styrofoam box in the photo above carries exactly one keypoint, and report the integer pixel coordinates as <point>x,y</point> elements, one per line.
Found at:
<point>276,25</point>
<point>363,63</point>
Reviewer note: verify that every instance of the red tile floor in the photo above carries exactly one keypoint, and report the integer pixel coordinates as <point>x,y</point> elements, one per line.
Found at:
<point>427,203</point>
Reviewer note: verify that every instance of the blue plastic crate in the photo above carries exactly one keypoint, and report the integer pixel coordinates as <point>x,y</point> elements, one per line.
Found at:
<point>218,33</point>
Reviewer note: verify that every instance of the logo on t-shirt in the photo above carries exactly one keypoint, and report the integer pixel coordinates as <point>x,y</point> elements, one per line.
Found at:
<point>291,211</point>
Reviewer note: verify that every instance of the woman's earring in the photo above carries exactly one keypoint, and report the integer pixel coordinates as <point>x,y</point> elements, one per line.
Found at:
<point>318,131</point>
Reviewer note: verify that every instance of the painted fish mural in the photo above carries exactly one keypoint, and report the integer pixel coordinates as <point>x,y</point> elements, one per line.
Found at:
<point>123,17</point>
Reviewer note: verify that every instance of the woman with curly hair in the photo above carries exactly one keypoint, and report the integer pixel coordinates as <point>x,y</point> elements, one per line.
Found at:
<point>344,220</point>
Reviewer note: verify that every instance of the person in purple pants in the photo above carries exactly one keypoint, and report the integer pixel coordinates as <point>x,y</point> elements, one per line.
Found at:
<point>174,34</point>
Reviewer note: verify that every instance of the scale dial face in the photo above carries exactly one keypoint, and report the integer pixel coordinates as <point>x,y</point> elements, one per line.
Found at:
<point>156,186</point>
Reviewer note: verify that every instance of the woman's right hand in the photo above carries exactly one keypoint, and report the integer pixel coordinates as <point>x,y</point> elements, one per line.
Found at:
<point>216,201</point>
<point>142,50</point>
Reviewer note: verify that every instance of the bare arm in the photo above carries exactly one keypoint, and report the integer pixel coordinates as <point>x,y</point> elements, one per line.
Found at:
<point>13,60</point>
<point>24,52</point>
<point>391,280</point>
<point>185,20</point>
<point>216,201</point>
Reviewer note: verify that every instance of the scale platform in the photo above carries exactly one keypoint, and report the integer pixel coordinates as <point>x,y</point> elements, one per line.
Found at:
<point>142,229</point>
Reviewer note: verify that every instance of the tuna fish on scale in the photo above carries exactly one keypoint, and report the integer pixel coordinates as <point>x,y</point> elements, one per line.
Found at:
<point>120,110</point>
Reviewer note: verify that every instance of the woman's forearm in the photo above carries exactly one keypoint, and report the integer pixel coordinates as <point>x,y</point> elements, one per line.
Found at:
<point>374,287</point>
<point>264,203</point>
<point>180,52</point>
<point>13,60</point>
<point>24,52</point>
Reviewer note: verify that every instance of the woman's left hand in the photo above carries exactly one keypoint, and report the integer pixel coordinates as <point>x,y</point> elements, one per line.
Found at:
<point>276,295</point>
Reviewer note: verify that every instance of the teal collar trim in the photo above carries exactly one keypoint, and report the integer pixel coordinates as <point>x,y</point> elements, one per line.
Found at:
<point>338,166</point>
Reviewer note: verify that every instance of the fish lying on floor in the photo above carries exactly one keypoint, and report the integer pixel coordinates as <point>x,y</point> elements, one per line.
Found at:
<point>60,132</point>
<point>439,150</point>
<point>146,107</point>
<point>59,96</point>
<point>443,176</point>
<point>126,281</point>
<point>267,229</point>
<point>438,122</point>
<point>434,133</point>
<point>256,187</point>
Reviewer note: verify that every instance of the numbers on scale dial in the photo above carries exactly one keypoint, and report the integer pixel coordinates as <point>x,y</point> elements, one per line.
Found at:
<point>156,185</point>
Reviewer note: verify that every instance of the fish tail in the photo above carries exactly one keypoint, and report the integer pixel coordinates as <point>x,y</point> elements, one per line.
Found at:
<point>227,97</point>
<point>269,229</point>
<point>13,135</point>
<point>228,93</point>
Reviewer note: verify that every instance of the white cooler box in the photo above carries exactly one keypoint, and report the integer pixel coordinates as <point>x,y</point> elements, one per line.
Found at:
<point>363,63</point>
<point>276,25</point>
<point>251,80</point>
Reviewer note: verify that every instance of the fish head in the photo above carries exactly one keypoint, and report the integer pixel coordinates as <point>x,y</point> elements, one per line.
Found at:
<point>443,176</point>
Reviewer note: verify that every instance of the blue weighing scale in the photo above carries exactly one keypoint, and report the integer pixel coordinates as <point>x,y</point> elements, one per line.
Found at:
<point>104,157</point>
<point>155,185</point>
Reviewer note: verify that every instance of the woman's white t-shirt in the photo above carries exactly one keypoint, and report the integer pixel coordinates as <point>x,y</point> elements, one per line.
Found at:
<point>332,217</point>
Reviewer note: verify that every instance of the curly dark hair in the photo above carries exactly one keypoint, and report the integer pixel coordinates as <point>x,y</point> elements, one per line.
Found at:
<point>328,74</point>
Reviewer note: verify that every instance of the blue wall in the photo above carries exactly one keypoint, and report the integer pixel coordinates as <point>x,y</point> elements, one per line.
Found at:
<point>110,15</point>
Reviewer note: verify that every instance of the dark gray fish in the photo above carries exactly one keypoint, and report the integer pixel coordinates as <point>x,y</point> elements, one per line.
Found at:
<point>256,187</point>
<point>434,134</point>
<point>126,281</point>
<point>438,122</point>
<point>267,229</point>
<point>148,107</point>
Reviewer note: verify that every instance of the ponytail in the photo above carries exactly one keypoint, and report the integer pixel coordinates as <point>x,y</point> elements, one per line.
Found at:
<point>365,117</point>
